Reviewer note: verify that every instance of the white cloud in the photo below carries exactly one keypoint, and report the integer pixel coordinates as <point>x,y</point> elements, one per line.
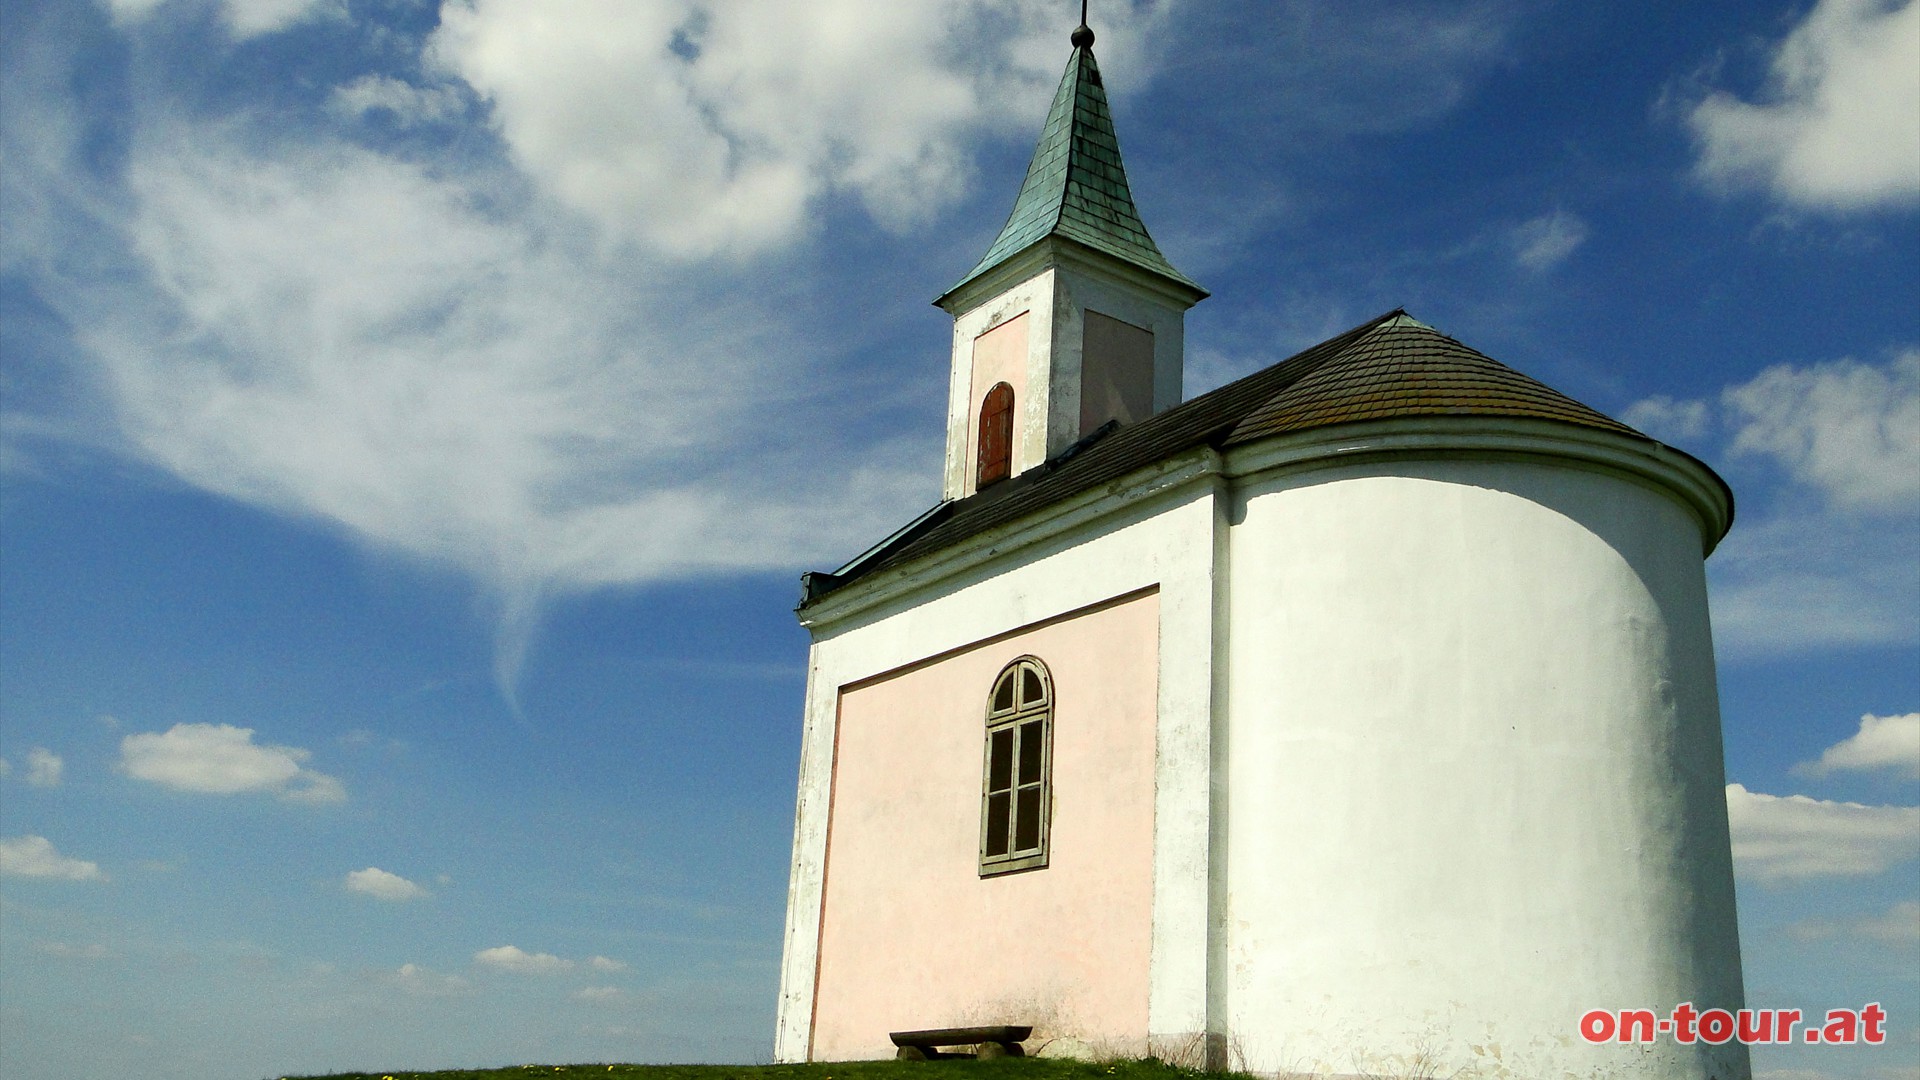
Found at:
<point>1545,242</point>
<point>512,958</point>
<point>1790,838</point>
<point>1808,579</point>
<point>35,857</point>
<point>406,103</point>
<point>220,759</point>
<point>1897,926</point>
<point>382,885</point>
<point>44,767</point>
<point>244,18</point>
<point>599,994</point>
<point>606,963</point>
<point>424,982</point>
<point>704,128</point>
<point>1841,572</point>
<point>1849,429</point>
<point>356,340</point>
<point>6,767</point>
<point>1831,563</point>
<point>1883,742</point>
<point>1840,126</point>
<point>1669,420</point>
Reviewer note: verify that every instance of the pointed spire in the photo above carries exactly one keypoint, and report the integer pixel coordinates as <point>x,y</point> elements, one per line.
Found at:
<point>1076,187</point>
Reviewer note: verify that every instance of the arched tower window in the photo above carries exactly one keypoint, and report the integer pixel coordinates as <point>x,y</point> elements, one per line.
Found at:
<point>996,436</point>
<point>1016,803</point>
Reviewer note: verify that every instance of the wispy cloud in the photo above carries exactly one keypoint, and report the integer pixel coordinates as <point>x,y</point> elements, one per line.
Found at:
<point>417,981</point>
<point>1670,419</point>
<point>220,759</point>
<point>1546,241</point>
<point>382,885</point>
<point>1793,837</point>
<point>35,857</point>
<point>1891,743</point>
<point>441,364</point>
<point>1897,926</point>
<point>1830,563</point>
<point>404,103</point>
<point>244,18</point>
<point>44,767</point>
<point>1838,126</point>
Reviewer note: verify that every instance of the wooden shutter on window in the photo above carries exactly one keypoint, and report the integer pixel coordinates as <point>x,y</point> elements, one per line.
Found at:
<point>996,436</point>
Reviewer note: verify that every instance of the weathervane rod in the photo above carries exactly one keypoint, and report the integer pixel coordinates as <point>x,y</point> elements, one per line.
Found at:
<point>1082,36</point>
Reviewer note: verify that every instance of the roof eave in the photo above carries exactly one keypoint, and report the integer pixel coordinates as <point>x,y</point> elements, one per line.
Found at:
<point>1055,250</point>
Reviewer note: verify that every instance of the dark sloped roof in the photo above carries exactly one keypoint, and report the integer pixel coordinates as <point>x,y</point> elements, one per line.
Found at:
<point>1391,366</point>
<point>1407,368</point>
<point>1075,186</point>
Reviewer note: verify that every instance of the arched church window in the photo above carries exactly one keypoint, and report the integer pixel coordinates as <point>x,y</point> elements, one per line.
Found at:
<point>1017,797</point>
<point>996,436</point>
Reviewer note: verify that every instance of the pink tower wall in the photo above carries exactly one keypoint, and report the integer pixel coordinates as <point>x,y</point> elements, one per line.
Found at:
<point>911,936</point>
<point>999,356</point>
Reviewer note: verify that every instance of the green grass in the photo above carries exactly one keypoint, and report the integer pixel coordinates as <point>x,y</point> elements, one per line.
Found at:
<point>954,1069</point>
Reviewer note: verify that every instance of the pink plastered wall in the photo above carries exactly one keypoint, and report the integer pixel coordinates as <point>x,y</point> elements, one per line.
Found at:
<point>911,936</point>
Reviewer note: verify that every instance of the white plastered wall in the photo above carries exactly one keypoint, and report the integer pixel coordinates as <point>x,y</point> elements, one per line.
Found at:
<point>1474,772</point>
<point>1074,293</point>
<point>1159,534</point>
<point>1034,299</point>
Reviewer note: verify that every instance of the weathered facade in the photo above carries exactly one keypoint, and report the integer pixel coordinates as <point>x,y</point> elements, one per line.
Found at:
<point>1361,707</point>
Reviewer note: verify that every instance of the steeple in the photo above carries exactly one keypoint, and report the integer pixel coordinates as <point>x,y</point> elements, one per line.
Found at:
<point>1076,187</point>
<point>1073,318</point>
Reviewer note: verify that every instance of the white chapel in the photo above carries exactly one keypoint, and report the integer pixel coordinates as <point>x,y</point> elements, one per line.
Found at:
<point>1357,712</point>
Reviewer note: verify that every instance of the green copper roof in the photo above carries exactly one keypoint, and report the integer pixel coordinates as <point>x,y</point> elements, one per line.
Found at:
<point>1076,187</point>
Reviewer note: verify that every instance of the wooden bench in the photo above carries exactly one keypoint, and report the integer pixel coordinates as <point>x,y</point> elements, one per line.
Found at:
<point>988,1042</point>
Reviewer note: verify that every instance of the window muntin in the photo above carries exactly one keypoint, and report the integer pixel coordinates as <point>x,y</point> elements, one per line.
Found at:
<point>1016,799</point>
<point>995,446</point>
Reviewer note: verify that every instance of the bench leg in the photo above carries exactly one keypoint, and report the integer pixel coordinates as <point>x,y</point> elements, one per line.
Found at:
<point>911,1053</point>
<point>1001,1049</point>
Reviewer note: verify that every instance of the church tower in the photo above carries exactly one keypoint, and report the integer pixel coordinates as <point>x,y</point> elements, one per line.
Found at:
<point>1073,318</point>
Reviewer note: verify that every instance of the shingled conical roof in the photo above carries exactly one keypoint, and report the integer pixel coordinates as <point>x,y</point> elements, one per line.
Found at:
<point>1392,367</point>
<point>1076,187</point>
<point>1403,367</point>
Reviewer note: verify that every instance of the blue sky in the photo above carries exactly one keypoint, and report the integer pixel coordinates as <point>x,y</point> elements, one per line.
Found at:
<point>416,417</point>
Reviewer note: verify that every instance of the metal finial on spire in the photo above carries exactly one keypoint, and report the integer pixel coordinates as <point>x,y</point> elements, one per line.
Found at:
<point>1083,34</point>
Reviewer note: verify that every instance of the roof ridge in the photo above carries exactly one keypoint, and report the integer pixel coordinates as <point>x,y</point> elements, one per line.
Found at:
<point>1363,380</point>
